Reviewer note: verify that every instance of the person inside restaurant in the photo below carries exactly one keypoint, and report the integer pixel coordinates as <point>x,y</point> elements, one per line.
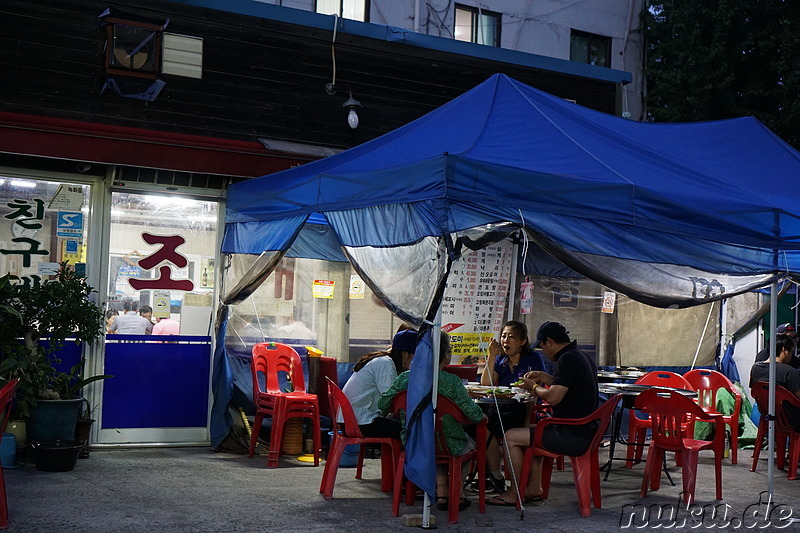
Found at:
<point>572,393</point>
<point>458,442</point>
<point>373,374</point>
<point>131,323</point>
<point>508,360</point>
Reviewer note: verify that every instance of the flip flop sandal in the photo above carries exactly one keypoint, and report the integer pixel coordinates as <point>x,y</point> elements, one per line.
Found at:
<point>497,500</point>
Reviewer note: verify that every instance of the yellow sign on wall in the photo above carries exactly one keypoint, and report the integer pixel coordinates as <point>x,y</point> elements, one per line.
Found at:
<point>73,251</point>
<point>467,347</point>
<point>323,288</point>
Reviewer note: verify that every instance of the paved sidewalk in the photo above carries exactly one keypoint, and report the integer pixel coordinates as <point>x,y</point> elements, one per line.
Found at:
<point>196,490</point>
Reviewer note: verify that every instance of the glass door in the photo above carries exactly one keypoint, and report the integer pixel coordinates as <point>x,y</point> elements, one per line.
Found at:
<point>161,277</point>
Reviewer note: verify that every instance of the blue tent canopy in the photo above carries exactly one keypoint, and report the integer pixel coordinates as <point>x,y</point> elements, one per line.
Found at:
<point>668,214</point>
<point>504,148</point>
<point>647,209</point>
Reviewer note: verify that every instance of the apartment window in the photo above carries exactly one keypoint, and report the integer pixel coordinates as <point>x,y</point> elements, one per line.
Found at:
<point>349,9</point>
<point>476,25</point>
<point>590,48</point>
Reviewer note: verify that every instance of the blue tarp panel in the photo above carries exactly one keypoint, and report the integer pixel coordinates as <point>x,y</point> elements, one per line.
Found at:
<point>507,152</point>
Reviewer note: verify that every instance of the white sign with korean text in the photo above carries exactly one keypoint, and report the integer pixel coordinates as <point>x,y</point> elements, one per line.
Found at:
<point>473,307</point>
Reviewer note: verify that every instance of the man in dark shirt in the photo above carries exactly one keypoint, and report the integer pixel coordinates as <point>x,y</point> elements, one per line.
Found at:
<point>572,393</point>
<point>785,376</point>
<point>783,329</point>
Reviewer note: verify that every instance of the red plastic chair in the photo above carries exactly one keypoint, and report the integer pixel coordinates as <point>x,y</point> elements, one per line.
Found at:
<point>585,468</point>
<point>637,427</point>
<point>783,430</point>
<point>269,359</point>
<point>468,372</point>
<point>348,433</point>
<point>6,394</point>
<point>327,369</point>
<point>445,407</point>
<point>707,383</point>
<point>668,412</point>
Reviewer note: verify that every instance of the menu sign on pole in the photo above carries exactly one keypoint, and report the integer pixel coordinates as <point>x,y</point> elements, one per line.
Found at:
<point>473,307</point>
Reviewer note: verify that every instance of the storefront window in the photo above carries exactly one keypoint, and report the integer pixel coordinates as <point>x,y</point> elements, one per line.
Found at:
<point>162,251</point>
<point>42,224</point>
<point>309,302</point>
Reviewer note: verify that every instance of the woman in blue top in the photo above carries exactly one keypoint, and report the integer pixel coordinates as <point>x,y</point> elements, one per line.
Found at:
<point>511,358</point>
<point>508,361</point>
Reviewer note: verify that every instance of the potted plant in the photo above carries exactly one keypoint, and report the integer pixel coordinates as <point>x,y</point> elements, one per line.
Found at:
<point>36,322</point>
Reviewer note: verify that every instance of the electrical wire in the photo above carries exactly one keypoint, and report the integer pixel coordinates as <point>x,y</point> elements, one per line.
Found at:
<point>333,48</point>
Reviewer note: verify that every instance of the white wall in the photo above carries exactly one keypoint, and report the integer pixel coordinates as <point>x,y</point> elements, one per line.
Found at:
<point>539,27</point>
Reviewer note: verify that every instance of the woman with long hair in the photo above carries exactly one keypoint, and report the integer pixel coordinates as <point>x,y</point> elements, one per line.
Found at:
<point>373,374</point>
<point>508,360</point>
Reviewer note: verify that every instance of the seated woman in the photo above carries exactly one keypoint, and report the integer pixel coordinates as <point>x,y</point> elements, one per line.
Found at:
<point>508,361</point>
<point>457,441</point>
<point>373,374</point>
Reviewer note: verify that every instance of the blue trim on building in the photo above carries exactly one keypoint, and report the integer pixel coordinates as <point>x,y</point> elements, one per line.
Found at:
<point>393,34</point>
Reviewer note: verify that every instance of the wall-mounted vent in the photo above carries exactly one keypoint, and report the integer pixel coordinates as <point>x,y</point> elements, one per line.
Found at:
<point>182,55</point>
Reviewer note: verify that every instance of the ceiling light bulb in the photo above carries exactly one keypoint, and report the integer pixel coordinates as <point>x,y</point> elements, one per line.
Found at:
<point>352,118</point>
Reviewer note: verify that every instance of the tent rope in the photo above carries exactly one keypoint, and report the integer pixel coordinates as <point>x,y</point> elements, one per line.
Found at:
<point>703,335</point>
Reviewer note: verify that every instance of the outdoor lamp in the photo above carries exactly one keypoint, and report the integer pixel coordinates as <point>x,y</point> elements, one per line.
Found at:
<point>351,104</point>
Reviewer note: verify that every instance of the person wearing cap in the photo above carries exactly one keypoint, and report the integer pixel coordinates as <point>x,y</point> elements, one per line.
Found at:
<point>572,393</point>
<point>508,360</point>
<point>783,329</point>
<point>373,374</point>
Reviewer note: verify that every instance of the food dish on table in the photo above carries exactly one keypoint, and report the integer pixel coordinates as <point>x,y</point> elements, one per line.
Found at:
<point>483,391</point>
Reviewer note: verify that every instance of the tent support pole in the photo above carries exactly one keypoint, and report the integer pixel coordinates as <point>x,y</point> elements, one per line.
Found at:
<point>773,321</point>
<point>435,348</point>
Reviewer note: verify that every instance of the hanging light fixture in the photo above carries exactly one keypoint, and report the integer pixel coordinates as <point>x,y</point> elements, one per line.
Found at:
<point>351,104</point>
<point>330,88</point>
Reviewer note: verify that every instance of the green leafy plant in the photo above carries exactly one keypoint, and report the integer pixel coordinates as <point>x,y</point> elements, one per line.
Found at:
<point>54,310</point>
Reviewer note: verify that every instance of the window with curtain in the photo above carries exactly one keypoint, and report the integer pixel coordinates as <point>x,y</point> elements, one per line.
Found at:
<point>590,48</point>
<point>349,9</point>
<point>476,25</point>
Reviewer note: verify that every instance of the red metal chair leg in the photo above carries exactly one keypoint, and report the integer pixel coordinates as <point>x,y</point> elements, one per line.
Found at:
<point>454,486</point>
<point>398,484</point>
<point>582,474</point>
<point>734,443</point>
<point>794,455</point>
<point>689,473</point>
<point>762,429</point>
<point>388,458</point>
<point>594,468</point>
<point>331,468</point>
<point>361,452</point>
<point>276,439</point>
